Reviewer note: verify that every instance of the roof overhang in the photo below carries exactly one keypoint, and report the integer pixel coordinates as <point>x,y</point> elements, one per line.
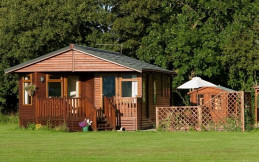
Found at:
<point>160,71</point>
<point>87,51</point>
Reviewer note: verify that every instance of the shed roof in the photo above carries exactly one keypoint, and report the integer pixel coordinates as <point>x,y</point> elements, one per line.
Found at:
<point>225,89</point>
<point>115,57</point>
<point>218,87</point>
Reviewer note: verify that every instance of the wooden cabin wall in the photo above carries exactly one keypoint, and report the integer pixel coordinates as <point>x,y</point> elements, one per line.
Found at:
<point>87,85</point>
<point>41,86</point>
<point>73,61</point>
<point>26,112</point>
<point>162,100</point>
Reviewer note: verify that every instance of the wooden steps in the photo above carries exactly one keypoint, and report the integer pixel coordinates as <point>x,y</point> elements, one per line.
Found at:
<point>103,124</point>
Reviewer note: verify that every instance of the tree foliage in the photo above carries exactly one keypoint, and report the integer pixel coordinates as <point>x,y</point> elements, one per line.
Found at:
<point>217,40</point>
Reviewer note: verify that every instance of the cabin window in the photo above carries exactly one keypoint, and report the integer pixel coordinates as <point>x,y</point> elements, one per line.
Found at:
<point>54,86</point>
<point>144,89</point>
<point>162,85</point>
<point>109,86</point>
<point>27,80</point>
<point>129,77</point>
<point>129,86</point>
<point>200,99</point>
<point>154,88</point>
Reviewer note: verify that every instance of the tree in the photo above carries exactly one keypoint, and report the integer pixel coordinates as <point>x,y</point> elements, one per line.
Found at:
<point>30,28</point>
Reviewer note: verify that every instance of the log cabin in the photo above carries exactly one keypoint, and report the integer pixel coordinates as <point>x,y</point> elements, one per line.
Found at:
<point>77,82</point>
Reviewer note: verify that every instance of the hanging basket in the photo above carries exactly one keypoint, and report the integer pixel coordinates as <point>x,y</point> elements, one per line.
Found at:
<point>30,89</point>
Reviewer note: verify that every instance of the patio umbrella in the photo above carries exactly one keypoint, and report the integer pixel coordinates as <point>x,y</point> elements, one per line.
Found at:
<point>196,82</point>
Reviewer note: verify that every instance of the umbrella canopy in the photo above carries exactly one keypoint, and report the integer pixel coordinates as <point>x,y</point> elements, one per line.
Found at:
<point>196,82</point>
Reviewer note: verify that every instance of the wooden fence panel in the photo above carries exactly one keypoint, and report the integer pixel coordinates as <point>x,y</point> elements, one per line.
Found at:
<point>225,111</point>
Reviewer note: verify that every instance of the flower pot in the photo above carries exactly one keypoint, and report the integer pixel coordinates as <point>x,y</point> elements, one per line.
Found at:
<point>85,129</point>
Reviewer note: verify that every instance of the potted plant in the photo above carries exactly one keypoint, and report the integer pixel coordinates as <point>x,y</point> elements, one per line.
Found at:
<point>31,88</point>
<point>85,125</point>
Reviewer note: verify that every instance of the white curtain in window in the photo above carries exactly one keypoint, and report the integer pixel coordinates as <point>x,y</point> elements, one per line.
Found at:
<point>134,89</point>
<point>26,95</point>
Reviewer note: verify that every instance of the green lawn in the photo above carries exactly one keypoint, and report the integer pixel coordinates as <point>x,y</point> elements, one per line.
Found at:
<point>27,145</point>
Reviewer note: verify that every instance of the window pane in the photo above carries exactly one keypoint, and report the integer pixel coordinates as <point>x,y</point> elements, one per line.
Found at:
<point>54,77</point>
<point>200,99</point>
<point>109,86</point>
<point>126,89</point>
<point>129,76</point>
<point>27,98</point>
<point>144,91</point>
<point>72,86</point>
<point>154,91</point>
<point>54,89</point>
<point>129,89</point>
<point>27,78</point>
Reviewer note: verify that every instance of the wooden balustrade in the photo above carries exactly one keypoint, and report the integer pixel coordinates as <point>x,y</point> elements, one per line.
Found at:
<point>111,113</point>
<point>66,108</point>
<point>126,105</point>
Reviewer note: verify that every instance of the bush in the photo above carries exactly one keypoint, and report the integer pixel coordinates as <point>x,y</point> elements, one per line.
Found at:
<point>31,126</point>
<point>62,128</point>
<point>9,119</point>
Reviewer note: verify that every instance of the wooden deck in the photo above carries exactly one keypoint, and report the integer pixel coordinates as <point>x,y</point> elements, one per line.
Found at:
<point>55,111</point>
<point>117,112</point>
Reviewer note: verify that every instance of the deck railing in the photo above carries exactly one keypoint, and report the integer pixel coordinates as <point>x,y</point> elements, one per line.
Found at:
<point>126,105</point>
<point>65,109</point>
<point>111,113</point>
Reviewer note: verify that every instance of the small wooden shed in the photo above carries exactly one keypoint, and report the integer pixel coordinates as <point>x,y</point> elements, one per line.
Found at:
<point>219,103</point>
<point>205,94</point>
<point>78,82</point>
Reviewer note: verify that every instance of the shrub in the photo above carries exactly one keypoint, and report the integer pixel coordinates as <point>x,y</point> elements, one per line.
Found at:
<point>9,119</point>
<point>31,126</point>
<point>62,128</point>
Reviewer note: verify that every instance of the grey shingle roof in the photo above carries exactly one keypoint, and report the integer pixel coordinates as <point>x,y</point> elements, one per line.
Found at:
<point>123,60</point>
<point>226,89</point>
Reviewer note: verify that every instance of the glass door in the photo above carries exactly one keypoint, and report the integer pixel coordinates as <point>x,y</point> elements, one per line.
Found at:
<point>109,86</point>
<point>72,86</point>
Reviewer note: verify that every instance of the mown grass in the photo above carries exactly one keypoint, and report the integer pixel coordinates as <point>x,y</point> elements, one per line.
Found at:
<point>18,144</point>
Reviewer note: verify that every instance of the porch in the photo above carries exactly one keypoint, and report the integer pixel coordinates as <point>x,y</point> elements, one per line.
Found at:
<point>116,112</point>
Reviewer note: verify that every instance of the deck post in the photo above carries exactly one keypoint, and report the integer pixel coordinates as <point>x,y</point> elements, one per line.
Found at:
<point>64,110</point>
<point>199,117</point>
<point>157,119</point>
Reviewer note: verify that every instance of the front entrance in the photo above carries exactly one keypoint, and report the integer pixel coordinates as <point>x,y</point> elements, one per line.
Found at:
<point>109,86</point>
<point>122,91</point>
